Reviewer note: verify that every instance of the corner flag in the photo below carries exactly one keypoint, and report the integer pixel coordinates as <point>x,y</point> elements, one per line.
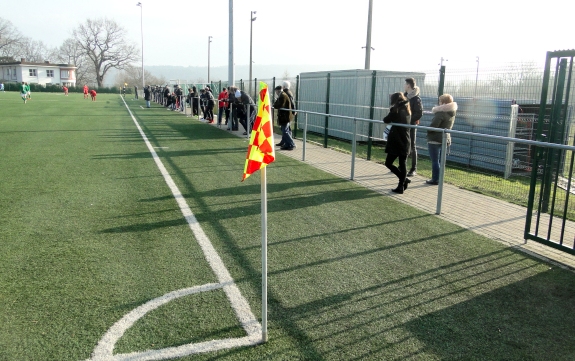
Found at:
<point>261,150</point>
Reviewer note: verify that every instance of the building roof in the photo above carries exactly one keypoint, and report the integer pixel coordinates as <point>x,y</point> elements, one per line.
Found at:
<point>45,63</point>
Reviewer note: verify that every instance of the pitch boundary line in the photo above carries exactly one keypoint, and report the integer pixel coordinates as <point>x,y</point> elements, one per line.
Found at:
<point>105,347</point>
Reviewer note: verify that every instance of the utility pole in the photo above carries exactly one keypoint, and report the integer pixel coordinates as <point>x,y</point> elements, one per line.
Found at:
<point>368,47</point>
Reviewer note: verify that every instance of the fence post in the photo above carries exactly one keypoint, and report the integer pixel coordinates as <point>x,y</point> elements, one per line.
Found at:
<point>441,171</point>
<point>272,92</point>
<point>371,114</point>
<point>441,81</point>
<point>511,145</point>
<point>241,84</point>
<point>295,103</point>
<point>326,110</point>
<point>304,138</point>
<point>353,148</point>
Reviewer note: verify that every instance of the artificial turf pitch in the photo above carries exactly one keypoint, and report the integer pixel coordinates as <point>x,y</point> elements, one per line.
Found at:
<point>89,231</point>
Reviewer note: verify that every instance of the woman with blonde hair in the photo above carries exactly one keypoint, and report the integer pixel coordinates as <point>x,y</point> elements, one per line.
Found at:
<point>443,117</point>
<point>398,140</point>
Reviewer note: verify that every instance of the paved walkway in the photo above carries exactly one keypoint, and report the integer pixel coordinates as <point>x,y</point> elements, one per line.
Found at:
<point>484,215</point>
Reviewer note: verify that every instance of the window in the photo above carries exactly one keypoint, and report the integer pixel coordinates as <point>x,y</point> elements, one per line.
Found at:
<point>8,74</point>
<point>50,73</point>
<point>64,74</point>
<point>32,72</point>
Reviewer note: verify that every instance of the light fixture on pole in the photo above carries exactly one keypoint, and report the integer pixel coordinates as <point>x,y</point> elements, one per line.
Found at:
<point>209,42</point>
<point>252,19</point>
<point>142,33</point>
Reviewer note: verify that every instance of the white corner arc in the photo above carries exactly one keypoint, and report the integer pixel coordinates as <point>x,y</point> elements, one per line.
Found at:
<point>105,347</point>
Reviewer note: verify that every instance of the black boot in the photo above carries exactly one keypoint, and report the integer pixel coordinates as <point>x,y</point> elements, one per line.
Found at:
<point>399,188</point>
<point>406,183</point>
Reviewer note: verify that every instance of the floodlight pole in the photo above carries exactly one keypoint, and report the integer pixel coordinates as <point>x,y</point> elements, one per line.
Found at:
<point>252,19</point>
<point>142,34</point>
<point>209,42</point>
<point>476,76</point>
<point>368,47</point>
<point>231,75</point>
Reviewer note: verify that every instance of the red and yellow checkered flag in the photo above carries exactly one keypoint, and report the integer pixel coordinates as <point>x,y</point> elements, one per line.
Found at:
<point>261,150</point>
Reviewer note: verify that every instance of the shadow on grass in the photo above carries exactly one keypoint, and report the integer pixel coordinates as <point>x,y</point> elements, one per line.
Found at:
<point>162,153</point>
<point>304,342</point>
<point>426,298</point>
<point>528,320</point>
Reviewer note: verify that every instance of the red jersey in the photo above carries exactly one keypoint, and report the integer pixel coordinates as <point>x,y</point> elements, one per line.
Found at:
<point>65,89</point>
<point>85,89</point>
<point>223,95</point>
<point>93,92</point>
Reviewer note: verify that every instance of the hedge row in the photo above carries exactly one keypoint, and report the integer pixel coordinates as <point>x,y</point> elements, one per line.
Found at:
<point>58,88</point>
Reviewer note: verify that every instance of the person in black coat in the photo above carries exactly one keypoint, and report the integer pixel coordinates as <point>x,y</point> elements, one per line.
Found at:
<point>398,140</point>
<point>147,95</point>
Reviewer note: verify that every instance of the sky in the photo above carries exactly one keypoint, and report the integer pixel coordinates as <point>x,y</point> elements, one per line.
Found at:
<point>410,35</point>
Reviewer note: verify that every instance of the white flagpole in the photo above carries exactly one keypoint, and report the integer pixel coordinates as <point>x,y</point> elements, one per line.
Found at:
<point>264,255</point>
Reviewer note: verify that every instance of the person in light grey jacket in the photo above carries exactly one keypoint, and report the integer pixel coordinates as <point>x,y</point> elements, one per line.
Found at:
<point>443,117</point>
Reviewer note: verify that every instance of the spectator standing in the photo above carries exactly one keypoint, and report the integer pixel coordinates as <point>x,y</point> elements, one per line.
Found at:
<point>245,109</point>
<point>210,103</point>
<point>195,101</point>
<point>203,103</point>
<point>136,91</point>
<point>147,95</point>
<point>166,94</point>
<point>179,92</point>
<point>443,118</point>
<point>281,103</point>
<point>398,141</point>
<point>232,103</point>
<point>223,106</point>
<point>1,87</point>
<point>412,94</point>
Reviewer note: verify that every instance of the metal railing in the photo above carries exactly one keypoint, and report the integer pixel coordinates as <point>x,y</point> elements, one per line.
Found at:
<point>508,141</point>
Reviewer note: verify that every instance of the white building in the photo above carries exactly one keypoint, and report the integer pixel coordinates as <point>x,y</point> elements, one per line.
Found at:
<point>38,73</point>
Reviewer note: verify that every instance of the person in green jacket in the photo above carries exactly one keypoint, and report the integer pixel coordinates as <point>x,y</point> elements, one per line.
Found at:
<point>23,92</point>
<point>443,117</point>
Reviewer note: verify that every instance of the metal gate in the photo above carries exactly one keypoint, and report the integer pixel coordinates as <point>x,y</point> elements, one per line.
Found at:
<point>551,186</point>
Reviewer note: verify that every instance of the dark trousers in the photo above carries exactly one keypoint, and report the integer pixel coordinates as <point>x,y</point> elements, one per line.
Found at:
<point>412,135</point>
<point>287,140</point>
<point>401,171</point>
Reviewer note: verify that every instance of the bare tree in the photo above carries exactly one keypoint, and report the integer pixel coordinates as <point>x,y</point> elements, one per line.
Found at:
<point>70,52</point>
<point>133,75</point>
<point>10,39</point>
<point>104,42</point>
<point>33,51</point>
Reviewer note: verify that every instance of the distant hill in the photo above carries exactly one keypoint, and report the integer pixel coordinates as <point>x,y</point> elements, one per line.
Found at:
<point>197,74</point>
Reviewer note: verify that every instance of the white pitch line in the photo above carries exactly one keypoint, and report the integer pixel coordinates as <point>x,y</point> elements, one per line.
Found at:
<point>105,348</point>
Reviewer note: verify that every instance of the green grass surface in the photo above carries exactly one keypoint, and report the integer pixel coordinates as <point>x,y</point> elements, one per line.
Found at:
<point>90,231</point>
